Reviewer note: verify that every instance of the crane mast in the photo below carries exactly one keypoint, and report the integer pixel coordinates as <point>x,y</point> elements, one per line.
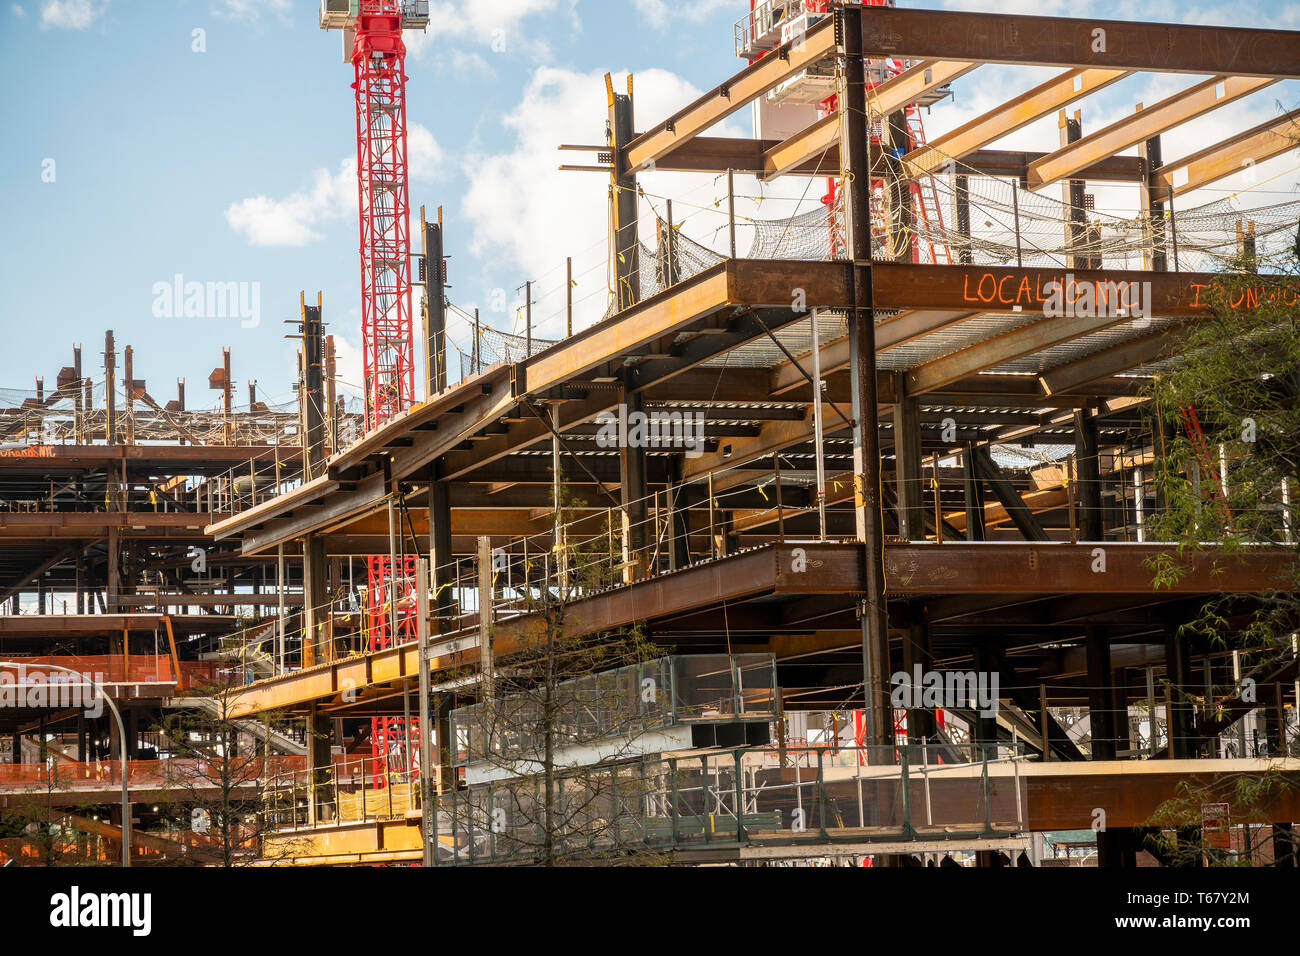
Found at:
<point>379,58</point>
<point>372,35</point>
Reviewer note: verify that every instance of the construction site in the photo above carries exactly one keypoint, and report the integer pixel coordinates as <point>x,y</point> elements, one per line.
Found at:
<point>845,536</point>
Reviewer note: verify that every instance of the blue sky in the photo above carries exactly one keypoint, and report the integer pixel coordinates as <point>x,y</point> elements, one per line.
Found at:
<point>230,164</point>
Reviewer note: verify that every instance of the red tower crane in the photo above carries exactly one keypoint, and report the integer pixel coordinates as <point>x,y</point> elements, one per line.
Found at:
<point>372,40</point>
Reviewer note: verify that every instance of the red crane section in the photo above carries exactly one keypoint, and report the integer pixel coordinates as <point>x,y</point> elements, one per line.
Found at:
<point>379,59</point>
<point>387,336</point>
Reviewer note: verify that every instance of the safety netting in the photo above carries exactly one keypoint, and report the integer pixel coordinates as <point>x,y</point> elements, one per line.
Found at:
<point>494,347</point>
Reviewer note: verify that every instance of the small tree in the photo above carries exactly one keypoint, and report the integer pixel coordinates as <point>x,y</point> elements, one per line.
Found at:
<point>563,724</point>
<point>219,766</point>
<point>1228,454</point>
<point>1177,838</point>
<point>40,823</point>
<point>1228,449</point>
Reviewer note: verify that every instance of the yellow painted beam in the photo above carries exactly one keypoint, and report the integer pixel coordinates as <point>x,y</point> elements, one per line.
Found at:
<point>739,91</point>
<point>1233,155</point>
<point>1024,109</point>
<point>1145,123</point>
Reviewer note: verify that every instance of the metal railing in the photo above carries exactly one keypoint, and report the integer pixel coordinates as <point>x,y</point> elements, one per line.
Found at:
<point>747,796</point>
<point>350,790</point>
<point>627,701</point>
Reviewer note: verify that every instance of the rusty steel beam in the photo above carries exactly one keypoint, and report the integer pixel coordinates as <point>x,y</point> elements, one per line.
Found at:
<point>734,282</point>
<point>149,599</point>
<point>772,437</point>
<point>717,154</point>
<point>807,150</point>
<point>818,568</point>
<point>739,91</point>
<point>1011,116</point>
<point>343,506</point>
<point>520,435</point>
<point>893,331</point>
<point>88,522</point>
<point>1062,568</point>
<point>1060,41</point>
<point>995,351</point>
<point>1135,353</point>
<point>910,85</point>
<point>1140,126</point>
<point>1011,164</point>
<point>1063,796</point>
<point>99,625</point>
<point>1232,155</point>
<point>1010,289</point>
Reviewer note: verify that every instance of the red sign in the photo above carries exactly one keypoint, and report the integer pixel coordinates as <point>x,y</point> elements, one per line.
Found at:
<point>1214,826</point>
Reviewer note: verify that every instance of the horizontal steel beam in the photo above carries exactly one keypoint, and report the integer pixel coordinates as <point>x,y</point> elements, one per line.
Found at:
<point>1232,155</point>
<point>1060,41</point>
<point>1020,112</point>
<point>1062,568</point>
<point>1011,289</point>
<point>1119,358</point>
<point>1142,125</point>
<point>737,92</point>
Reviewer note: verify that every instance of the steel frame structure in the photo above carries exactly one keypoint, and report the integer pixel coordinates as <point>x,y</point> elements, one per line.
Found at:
<point>481,444</point>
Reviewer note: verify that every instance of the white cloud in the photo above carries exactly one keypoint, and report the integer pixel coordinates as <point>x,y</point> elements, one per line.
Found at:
<point>71,14</point>
<point>509,27</point>
<point>658,13</point>
<point>527,212</point>
<point>293,220</point>
<point>289,222</point>
<point>348,361</point>
<point>423,154</point>
<point>18,11</point>
<point>252,10</point>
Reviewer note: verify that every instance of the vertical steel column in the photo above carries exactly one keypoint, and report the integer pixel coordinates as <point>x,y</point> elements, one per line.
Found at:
<point>314,597</point>
<point>428,808</point>
<point>900,189</point>
<point>917,652</point>
<point>973,493</point>
<point>1076,228</point>
<point>568,297</point>
<point>1087,458</point>
<point>862,374</point>
<point>1180,717</point>
<point>441,562</point>
<point>623,198</point>
<point>1100,694</point>
<point>963,219</point>
<point>435,308</point>
<point>313,352</point>
<point>907,467</point>
<point>487,663</point>
<point>110,388</point>
<point>819,449</point>
<point>128,392</point>
<point>319,731</point>
<point>1153,205</point>
<point>632,481</point>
